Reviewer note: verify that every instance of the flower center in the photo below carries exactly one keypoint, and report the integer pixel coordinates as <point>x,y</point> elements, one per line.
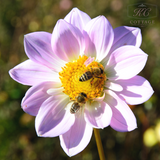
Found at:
<point>92,84</point>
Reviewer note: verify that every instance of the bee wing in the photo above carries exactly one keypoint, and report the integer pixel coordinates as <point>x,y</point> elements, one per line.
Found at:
<point>68,105</point>
<point>89,61</point>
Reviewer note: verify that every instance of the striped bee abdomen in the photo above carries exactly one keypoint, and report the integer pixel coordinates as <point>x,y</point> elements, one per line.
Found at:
<point>86,76</point>
<point>74,108</point>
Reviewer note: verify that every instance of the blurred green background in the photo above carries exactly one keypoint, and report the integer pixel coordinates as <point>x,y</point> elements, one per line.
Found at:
<point>18,139</point>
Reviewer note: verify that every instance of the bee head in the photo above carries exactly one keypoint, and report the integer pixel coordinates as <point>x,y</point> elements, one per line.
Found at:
<point>101,71</point>
<point>83,94</point>
<point>82,97</point>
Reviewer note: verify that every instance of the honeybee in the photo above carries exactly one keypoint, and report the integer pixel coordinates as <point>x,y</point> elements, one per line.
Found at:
<point>80,100</point>
<point>95,72</point>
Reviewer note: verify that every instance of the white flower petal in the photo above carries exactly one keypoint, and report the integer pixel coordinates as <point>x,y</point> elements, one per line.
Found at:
<point>113,86</point>
<point>77,18</point>
<point>123,119</point>
<point>101,37</point>
<point>98,114</point>
<point>32,73</point>
<point>67,41</point>
<point>53,119</point>
<point>125,62</point>
<point>136,90</point>
<point>78,137</point>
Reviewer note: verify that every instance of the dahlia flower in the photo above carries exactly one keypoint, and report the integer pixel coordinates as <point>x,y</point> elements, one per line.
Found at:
<point>57,61</point>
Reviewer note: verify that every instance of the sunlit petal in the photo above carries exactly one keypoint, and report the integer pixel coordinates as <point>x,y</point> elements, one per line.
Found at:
<point>53,119</point>
<point>38,48</point>
<point>98,114</point>
<point>125,62</point>
<point>77,138</point>
<point>123,119</point>
<point>31,73</point>
<point>136,90</point>
<point>67,41</point>
<point>36,95</point>
<point>77,18</point>
<point>101,35</point>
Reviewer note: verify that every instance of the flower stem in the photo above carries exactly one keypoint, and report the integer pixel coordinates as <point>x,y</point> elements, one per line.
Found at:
<point>99,144</point>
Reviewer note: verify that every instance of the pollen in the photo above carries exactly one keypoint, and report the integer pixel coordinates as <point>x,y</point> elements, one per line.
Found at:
<point>71,74</point>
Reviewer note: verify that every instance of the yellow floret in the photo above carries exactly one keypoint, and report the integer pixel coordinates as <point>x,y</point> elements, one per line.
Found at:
<point>71,73</point>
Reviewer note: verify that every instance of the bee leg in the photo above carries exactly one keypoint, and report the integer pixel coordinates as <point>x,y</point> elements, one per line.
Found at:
<point>91,82</point>
<point>99,77</point>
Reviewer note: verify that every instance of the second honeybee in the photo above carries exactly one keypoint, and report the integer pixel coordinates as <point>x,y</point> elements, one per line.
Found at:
<point>80,100</point>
